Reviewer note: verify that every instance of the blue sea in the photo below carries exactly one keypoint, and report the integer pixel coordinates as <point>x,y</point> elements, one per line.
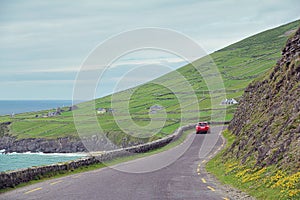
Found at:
<point>15,161</point>
<point>8,107</point>
<point>23,160</point>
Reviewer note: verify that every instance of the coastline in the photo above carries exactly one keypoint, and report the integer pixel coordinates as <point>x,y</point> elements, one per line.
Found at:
<point>36,145</point>
<point>2,151</point>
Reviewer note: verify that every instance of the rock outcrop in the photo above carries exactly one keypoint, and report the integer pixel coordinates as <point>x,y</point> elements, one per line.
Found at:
<point>59,145</point>
<point>267,121</point>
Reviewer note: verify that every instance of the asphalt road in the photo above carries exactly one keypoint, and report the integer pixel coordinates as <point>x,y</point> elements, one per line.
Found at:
<point>151,177</point>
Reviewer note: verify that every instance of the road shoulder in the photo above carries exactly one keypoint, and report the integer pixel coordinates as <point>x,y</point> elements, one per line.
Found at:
<point>224,190</point>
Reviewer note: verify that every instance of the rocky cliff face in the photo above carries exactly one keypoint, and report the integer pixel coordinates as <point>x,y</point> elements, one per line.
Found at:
<point>59,145</point>
<point>267,121</point>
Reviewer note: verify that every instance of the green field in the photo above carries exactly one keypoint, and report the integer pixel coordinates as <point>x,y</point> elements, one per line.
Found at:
<point>239,64</point>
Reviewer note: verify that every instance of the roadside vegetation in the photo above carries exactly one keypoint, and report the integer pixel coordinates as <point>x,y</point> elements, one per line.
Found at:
<point>267,183</point>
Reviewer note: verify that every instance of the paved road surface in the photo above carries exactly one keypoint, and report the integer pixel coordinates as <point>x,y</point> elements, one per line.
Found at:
<point>183,179</point>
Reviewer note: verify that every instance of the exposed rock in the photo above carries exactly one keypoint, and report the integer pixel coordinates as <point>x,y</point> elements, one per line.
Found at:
<point>60,145</point>
<point>267,121</point>
<point>4,128</point>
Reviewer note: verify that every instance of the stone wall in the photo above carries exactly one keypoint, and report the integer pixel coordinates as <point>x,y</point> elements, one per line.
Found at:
<point>13,178</point>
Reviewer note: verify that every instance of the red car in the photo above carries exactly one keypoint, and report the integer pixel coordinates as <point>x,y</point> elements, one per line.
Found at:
<point>202,127</point>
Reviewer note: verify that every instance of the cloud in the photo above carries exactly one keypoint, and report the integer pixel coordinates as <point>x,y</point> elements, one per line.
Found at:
<point>37,82</point>
<point>172,62</point>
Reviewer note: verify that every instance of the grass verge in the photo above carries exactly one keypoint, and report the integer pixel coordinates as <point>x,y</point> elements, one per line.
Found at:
<point>268,183</point>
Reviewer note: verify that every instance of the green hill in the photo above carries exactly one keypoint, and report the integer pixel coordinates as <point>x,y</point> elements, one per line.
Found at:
<point>239,64</point>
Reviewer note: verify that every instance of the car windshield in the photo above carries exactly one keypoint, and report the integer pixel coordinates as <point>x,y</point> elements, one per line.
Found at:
<point>202,124</point>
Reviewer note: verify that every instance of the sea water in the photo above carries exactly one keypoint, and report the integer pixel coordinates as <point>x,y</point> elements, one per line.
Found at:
<point>13,161</point>
<point>8,107</point>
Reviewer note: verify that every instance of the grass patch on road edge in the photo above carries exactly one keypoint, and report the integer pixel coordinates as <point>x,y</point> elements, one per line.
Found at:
<point>266,183</point>
<point>115,161</point>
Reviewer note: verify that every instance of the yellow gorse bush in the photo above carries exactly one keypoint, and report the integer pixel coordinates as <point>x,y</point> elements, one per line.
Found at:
<point>242,173</point>
<point>229,167</point>
<point>289,185</point>
<point>254,176</point>
<point>273,179</point>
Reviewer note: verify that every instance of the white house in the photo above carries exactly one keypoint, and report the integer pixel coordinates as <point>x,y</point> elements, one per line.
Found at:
<point>101,110</point>
<point>155,108</point>
<point>229,102</point>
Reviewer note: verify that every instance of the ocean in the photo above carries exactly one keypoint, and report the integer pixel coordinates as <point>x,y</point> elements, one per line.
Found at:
<point>8,107</point>
<point>15,161</point>
<point>23,160</point>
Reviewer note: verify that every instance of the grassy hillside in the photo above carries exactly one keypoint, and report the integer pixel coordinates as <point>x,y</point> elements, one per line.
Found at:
<point>264,139</point>
<point>239,64</point>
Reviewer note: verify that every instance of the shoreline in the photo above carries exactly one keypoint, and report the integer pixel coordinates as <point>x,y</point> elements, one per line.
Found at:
<point>19,161</point>
<point>3,152</point>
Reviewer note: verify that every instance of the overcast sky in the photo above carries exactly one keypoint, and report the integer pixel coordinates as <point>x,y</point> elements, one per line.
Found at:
<point>43,43</point>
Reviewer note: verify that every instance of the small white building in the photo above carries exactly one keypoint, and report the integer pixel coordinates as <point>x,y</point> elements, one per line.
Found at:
<point>229,102</point>
<point>101,110</point>
<point>155,108</point>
